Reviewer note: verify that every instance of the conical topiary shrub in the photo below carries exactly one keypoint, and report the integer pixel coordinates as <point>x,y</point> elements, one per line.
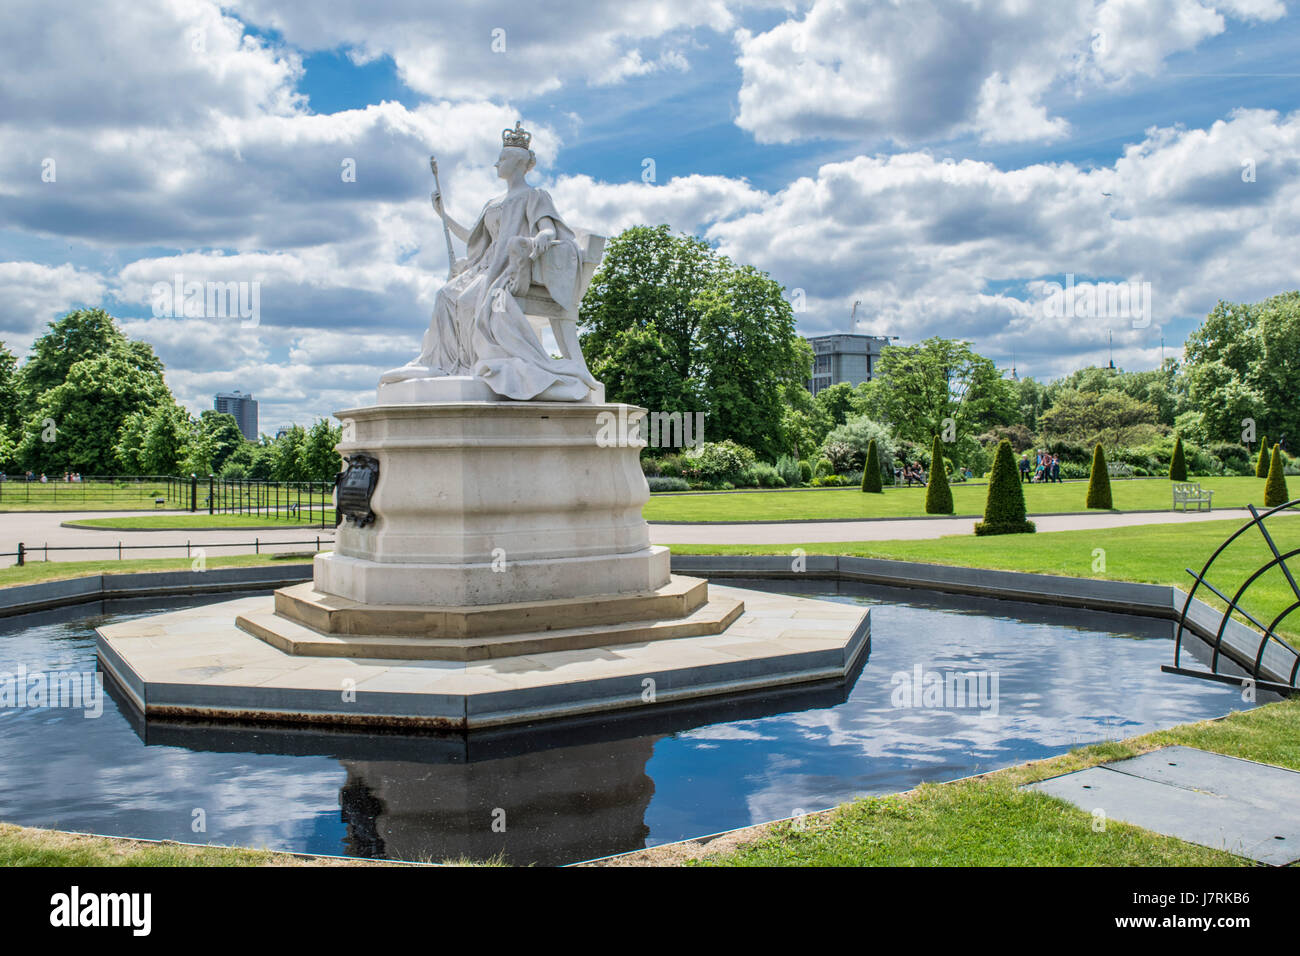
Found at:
<point>1099,482</point>
<point>871,480</point>
<point>1261,465</point>
<point>1004,512</point>
<point>938,493</point>
<point>1178,463</point>
<point>1275,490</point>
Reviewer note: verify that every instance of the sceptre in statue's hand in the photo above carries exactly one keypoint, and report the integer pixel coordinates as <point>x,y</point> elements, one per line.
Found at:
<point>437,205</point>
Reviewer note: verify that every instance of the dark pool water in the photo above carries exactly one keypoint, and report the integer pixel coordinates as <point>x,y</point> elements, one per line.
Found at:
<point>581,789</point>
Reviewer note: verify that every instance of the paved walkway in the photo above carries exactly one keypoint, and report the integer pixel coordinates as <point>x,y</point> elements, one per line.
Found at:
<point>35,529</point>
<point>908,528</point>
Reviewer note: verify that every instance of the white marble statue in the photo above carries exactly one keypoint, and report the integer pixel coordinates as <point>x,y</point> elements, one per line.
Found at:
<point>479,326</point>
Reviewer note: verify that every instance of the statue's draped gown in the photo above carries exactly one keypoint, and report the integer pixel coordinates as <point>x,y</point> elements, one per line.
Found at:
<point>478,327</point>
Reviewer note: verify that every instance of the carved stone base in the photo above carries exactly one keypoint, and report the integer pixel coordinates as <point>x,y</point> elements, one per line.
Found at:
<point>496,502</point>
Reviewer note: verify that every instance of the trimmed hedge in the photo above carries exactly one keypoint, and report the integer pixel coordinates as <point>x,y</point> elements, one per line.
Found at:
<point>871,470</point>
<point>1004,511</point>
<point>938,493</point>
<point>1275,490</point>
<point>1099,482</point>
<point>1263,463</point>
<point>1178,464</point>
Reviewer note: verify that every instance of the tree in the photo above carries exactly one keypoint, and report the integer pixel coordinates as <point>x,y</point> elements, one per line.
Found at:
<point>1275,490</point>
<point>938,493</point>
<point>670,324</point>
<point>320,462</point>
<point>1004,509</point>
<point>79,335</point>
<point>916,388</point>
<point>1178,462</point>
<point>747,351</point>
<point>222,431</point>
<point>1099,482</point>
<point>76,424</point>
<point>1262,464</point>
<point>804,423</point>
<point>871,481</point>
<point>1243,363</point>
<point>838,401</point>
<point>1112,417</point>
<point>286,455</point>
<point>10,393</point>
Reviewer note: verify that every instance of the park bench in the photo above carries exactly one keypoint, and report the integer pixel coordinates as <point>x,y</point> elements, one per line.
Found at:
<point>1118,469</point>
<point>1190,493</point>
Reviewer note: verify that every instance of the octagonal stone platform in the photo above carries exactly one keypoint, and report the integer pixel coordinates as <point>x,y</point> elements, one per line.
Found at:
<point>198,663</point>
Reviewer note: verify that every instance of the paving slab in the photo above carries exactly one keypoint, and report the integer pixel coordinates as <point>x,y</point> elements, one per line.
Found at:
<point>1246,808</point>
<point>196,662</point>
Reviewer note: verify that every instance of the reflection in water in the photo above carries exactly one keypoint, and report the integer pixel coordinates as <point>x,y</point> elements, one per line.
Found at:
<point>581,788</point>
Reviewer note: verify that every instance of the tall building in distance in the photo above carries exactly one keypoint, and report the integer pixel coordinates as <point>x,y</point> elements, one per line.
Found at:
<point>243,407</point>
<point>844,357</point>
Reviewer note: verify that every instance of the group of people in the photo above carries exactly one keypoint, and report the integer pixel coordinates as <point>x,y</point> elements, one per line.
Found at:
<point>68,476</point>
<point>910,473</point>
<point>1045,467</point>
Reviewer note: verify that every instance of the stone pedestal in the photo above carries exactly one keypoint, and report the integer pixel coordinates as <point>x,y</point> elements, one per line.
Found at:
<point>496,502</point>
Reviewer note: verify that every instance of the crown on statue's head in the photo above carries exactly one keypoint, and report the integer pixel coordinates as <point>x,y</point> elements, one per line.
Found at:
<point>518,136</point>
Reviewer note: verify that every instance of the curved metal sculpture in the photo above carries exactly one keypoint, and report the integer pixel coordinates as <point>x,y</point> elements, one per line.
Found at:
<point>1255,668</point>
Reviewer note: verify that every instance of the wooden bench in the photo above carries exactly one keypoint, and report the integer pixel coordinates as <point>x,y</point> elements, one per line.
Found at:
<point>1191,493</point>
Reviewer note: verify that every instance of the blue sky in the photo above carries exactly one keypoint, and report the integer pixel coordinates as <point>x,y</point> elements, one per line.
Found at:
<point>940,161</point>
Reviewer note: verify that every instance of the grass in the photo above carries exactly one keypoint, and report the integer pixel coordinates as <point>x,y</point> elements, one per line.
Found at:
<point>21,846</point>
<point>35,572</point>
<point>201,522</point>
<point>988,821</point>
<point>1155,554</point>
<point>812,504</point>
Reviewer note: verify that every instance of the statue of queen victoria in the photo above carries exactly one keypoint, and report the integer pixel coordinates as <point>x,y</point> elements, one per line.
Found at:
<point>521,260</point>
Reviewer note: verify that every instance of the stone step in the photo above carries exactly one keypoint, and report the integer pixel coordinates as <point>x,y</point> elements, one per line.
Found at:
<point>331,614</point>
<point>292,637</point>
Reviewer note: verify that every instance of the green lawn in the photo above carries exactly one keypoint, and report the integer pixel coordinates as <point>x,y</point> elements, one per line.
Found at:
<point>35,572</point>
<point>202,522</point>
<point>988,821</point>
<point>1157,554</point>
<point>1152,494</point>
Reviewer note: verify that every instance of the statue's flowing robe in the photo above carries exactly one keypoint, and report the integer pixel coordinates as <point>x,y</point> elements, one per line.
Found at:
<point>478,327</point>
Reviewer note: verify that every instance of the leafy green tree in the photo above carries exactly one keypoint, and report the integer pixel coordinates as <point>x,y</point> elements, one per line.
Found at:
<point>75,424</point>
<point>222,432</point>
<point>1112,417</point>
<point>871,480</point>
<point>10,394</point>
<point>938,493</point>
<point>1004,509</point>
<point>838,401</point>
<point>320,462</point>
<point>80,335</point>
<point>1178,461</point>
<point>670,324</point>
<point>1099,482</point>
<point>1275,490</point>
<point>804,423</point>
<point>917,387</point>
<point>1243,363</point>
<point>747,351</point>
<point>286,455</point>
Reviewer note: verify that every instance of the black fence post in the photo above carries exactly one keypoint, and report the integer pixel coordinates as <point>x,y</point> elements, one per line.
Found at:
<point>212,501</point>
<point>22,552</point>
<point>194,493</point>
